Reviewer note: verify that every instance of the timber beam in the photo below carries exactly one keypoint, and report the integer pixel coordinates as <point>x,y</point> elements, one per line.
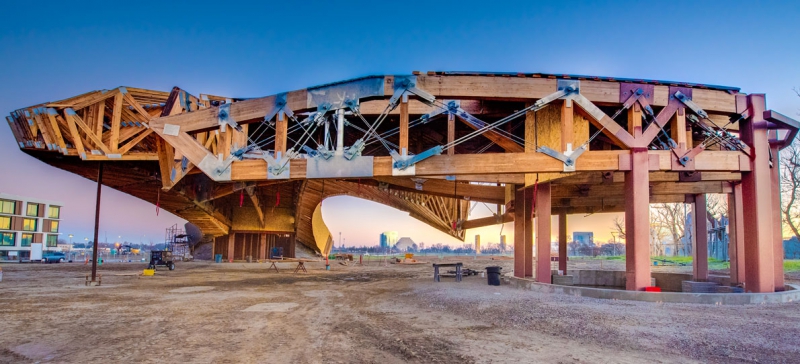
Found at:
<point>507,163</point>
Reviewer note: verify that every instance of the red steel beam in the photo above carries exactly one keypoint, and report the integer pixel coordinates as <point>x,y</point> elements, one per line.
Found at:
<point>637,222</point>
<point>700,240</point>
<point>757,198</point>
<point>543,205</point>
<point>736,234</point>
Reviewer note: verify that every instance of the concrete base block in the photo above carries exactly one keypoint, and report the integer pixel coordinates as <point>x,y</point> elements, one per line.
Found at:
<point>566,280</point>
<point>699,287</point>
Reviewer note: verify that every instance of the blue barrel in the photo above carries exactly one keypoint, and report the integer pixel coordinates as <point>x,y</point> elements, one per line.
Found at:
<point>217,258</point>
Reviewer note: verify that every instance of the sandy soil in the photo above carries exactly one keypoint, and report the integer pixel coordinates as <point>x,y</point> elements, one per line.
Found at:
<point>225,313</point>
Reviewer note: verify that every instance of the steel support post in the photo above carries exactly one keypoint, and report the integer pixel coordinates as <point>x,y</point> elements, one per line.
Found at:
<point>700,239</point>
<point>637,222</point>
<point>543,269</point>
<point>757,198</point>
<point>777,233</point>
<point>562,243</point>
<point>97,220</point>
<point>736,234</point>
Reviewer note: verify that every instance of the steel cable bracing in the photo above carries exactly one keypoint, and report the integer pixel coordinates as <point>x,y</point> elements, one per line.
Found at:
<point>492,126</point>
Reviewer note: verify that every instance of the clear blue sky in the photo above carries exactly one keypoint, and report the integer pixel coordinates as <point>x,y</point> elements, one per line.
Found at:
<point>52,50</point>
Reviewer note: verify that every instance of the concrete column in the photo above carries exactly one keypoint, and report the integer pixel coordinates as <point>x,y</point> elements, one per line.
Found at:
<point>637,222</point>
<point>777,233</point>
<point>562,242</point>
<point>759,256</point>
<point>543,270</point>
<point>736,234</point>
<point>523,247</point>
<point>700,239</point>
<point>231,240</point>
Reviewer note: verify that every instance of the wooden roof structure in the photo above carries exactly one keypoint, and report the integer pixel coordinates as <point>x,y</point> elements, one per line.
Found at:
<point>426,143</point>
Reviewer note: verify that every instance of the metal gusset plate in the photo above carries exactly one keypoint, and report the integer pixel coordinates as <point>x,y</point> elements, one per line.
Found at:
<point>224,118</point>
<point>336,94</point>
<point>404,84</point>
<point>339,167</point>
<point>280,106</point>
<point>403,165</point>
<point>568,157</point>
<point>216,169</point>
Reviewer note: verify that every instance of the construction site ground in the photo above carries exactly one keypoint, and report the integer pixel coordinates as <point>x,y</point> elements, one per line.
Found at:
<point>242,312</point>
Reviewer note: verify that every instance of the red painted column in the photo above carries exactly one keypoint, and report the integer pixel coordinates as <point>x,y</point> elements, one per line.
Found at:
<point>759,258</point>
<point>562,242</point>
<point>523,247</point>
<point>700,239</point>
<point>736,234</point>
<point>543,213</point>
<point>777,233</point>
<point>637,222</point>
<point>528,233</point>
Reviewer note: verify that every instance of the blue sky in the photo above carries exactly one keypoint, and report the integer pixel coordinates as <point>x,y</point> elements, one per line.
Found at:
<point>52,50</point>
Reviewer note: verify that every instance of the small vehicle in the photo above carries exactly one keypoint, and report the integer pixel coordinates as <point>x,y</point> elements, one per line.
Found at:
<point>161,257</point>
<point>54,257</point>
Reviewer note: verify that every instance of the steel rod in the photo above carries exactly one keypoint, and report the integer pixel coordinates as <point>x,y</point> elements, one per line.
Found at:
<point>97,220</point>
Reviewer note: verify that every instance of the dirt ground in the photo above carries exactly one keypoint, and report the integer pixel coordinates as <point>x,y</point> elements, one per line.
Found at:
<point>243,313</point>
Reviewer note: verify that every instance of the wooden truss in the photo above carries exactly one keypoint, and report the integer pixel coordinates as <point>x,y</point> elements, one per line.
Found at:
<point>257,164</point>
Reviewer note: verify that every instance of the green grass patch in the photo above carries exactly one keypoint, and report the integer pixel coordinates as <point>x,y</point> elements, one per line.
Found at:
<point>791,265</point>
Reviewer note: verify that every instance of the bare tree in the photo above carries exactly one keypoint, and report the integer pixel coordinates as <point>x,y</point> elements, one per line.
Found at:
<point>619,228</point>
<point>671,218</point>
<point>789,159</point>
<point>717,206</point>
<point>790,187</point>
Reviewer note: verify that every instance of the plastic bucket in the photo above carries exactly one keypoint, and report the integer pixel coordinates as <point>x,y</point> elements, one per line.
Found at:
<point>217,258</point>
<point>493,275</point>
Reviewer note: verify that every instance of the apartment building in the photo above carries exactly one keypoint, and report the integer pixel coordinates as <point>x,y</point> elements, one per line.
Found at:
<point>25,221</point>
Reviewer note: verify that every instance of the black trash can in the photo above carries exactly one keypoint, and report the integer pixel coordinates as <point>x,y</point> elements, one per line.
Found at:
<point>493,274</point>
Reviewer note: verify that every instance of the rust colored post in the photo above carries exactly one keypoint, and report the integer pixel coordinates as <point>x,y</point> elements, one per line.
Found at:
<point>700,239</point>
<point>543,269</point>
<point>757,198</point>
<point>736,234</point>
<point>562,242</point>
<point>637,222</point>
<point>777,233</point>
<point>519,233</point>
<point>97,220</point>
<point>231,241</point>
<point>528,217</point>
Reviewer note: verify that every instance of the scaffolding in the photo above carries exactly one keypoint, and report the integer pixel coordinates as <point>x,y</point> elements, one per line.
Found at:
<point>177,242</point>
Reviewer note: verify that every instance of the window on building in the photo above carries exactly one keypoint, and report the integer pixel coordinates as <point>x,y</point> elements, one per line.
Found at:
<point>7,239</point>
<point>54,212</point>
<point>53,226</point>
<point>29,224</point>
<point>26,239</point>
<point>33,209</point>
<point>5,222</point>
<point>7,207</point>
<point>52,240</point>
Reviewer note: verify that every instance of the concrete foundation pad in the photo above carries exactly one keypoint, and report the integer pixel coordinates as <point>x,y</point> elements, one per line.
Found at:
<point>791,294</point>
<point>563,280</point>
